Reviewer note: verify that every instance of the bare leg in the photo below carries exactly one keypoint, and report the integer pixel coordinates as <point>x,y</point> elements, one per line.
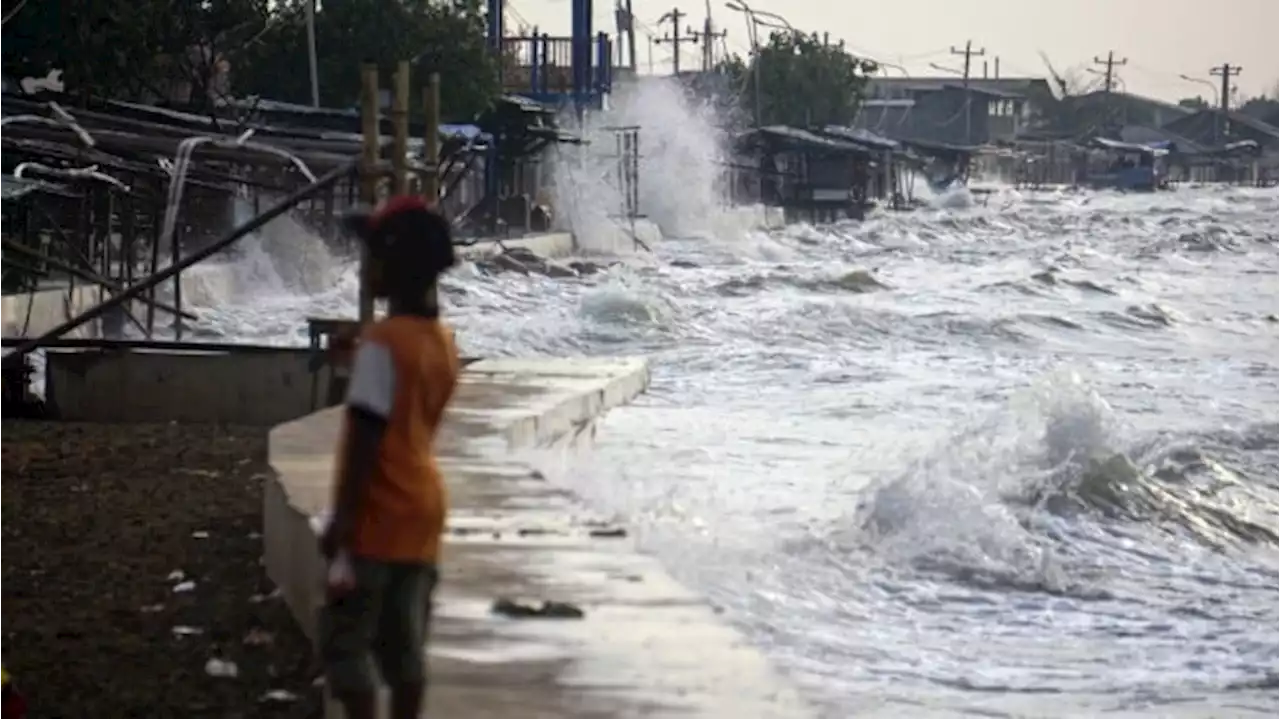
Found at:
<point>406,700</point>
<point>347,629</point>
<point>362,705</point>
<point>401,634</point>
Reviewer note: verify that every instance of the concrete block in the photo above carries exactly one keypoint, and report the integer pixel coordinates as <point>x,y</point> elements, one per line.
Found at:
<point>258,387</point>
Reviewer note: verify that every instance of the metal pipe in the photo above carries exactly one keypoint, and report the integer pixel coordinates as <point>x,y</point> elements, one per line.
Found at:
<point>311,53</point>
<point>90,172</point>
<point>129,293</point>
<point>181,165</point>
<point>61,118</point>
<point>102,343</point>
<point>754,36</point>
<point>753,23</point>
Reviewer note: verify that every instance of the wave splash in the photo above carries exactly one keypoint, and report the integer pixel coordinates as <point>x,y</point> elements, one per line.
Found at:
<point>1003,501</point>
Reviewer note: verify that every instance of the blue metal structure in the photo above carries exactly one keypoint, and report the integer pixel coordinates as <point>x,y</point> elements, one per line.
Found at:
<point>574,71</point>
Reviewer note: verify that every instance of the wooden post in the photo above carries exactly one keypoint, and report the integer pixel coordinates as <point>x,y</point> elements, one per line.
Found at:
<point>400,128</point>
<point>431,139</point>
<point>175,253</point>
<point>369,127</point>
<point>431,156</point>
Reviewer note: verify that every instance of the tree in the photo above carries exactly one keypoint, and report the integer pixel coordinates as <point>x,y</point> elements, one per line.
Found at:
<point>1263,108</point>
<point>193,51</point>
<point>201,40</point>
<point>803,81</point>
<point>1194,103</point>
<point>142,50</point>
<point>445,37</point>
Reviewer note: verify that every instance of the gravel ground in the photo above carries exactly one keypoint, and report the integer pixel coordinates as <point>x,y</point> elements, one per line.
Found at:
<point>131,558</point>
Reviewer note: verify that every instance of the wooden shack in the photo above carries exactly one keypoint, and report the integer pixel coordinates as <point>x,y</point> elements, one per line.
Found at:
<point>811,176</point>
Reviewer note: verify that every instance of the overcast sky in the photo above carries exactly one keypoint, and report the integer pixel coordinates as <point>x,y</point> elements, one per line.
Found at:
<point>1162,39</point>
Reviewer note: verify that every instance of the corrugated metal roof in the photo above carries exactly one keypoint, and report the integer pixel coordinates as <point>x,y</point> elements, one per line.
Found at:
<point>1020,86</point>
<point>1238,118</point>
<point>1104,96</point>
<point>1144,135</point>
<point>1129,146</point>
<point>989,91</point>
<point>861,136</point>
<point>266,105</point>
<point>803,139</point>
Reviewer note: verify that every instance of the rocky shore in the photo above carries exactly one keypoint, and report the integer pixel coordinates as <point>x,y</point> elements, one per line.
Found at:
<point>524,261</point>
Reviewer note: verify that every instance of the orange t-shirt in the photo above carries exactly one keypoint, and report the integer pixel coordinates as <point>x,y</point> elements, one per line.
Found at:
<point>405,370</point>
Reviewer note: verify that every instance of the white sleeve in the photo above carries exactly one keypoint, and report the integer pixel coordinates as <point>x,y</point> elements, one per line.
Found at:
<point>373,379</point>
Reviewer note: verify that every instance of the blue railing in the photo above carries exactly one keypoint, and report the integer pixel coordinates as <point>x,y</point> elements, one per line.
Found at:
<point>541,67</point>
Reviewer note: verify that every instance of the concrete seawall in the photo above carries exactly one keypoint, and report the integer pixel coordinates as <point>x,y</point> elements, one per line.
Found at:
<point>33,313</point>
<point>259,386</point>
<point>646,646</point>
<point>550,244</point>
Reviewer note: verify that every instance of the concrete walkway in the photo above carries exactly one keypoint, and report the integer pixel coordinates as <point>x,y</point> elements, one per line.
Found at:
<point>646,646</point>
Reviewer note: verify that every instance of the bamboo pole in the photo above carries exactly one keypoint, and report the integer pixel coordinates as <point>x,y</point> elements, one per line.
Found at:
<point>400,129</point>
<point>369,127</point>
<point>431,156</point>
<point>431,139</point>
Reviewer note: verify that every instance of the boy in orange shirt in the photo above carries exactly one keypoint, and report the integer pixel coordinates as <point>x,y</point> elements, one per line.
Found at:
<point>389,504</point>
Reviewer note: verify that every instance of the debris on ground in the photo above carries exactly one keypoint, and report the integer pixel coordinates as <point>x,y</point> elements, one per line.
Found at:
<point>88,629</point>
<point>544,610</point>
<point>221,668</point>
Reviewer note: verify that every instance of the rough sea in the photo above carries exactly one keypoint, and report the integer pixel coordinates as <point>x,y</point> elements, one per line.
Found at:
<point>1005,455</point>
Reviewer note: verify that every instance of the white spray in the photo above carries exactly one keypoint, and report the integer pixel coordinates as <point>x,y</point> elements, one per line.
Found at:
<point>681,162</point>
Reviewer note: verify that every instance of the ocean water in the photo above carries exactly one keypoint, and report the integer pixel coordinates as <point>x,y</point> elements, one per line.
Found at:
<point>1012,457</point>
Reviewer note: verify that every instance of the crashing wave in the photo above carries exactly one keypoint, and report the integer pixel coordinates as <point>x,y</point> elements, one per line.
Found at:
<point>1114,487</point>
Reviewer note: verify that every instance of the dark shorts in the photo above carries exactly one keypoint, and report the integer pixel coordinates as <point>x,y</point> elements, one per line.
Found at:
<point>380,627</point>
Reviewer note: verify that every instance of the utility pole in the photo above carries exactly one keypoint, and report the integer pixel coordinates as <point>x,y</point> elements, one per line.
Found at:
<point>674,38</point>
<point>311,53</point>
<point>627,26</point>
<point>707,37</point>
<point>1109,82</point>
<point>1111,63</point>
<point>969,53</point>
<point>1226,71</point>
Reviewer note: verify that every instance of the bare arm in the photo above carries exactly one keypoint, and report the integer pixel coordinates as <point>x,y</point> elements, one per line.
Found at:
<point>370,397</point>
